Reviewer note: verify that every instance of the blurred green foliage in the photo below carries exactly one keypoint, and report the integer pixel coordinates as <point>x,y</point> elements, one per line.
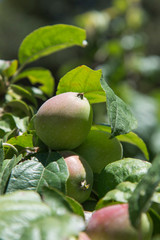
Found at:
<point>123,41</point>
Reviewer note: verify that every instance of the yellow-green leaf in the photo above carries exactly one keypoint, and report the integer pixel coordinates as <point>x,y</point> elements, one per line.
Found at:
<point>84,80</point>
<point>49,39</point>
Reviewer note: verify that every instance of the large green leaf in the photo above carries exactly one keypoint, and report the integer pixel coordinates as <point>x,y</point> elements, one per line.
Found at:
<point>121,118</point>
<point>141,198</point>
<point>23,216</point>
<point>130,137</point>
<point>41,76</point>
<point>55,227</point>
<point>126,169</point>
<point>45,169</point>
<point>84,80</point>
<point>49,39</point>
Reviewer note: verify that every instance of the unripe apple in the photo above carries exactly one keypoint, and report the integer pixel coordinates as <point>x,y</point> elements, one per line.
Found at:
<point>64,121</point>
<point>99,150</point>
<point>80,181</point>
<point>112,223</point>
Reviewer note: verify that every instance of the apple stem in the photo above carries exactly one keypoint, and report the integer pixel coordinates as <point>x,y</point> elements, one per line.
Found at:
<point>84,185</point>
<point>80,95</point>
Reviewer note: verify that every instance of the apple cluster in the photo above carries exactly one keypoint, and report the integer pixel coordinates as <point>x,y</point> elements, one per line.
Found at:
<point>64,124</point>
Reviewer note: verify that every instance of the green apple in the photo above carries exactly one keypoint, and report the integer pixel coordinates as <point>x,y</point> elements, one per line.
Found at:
<point>112,223</point>
<point>64,121</point>
<point>99,149</point>
<point>80,181</point>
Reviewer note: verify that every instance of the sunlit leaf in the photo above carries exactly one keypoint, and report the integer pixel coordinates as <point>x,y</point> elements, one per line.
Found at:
<point>40,76</point>
<point>25,140</point>
<point>84,80</point>
<point>49,39</point>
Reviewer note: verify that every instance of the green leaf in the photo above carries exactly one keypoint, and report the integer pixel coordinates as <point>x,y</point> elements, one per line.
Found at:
<point>130,137</point>
<point>1,155</point>
<point>45,169</point>
<point>4,126</point>
<point>56,200</point>
<point>121,118</point>
<point>75,206</point>
<point>37,92</point>
<point>23,216</point>
<point>49,39</point>
<point>8,164</point>
<point>23,93</point>
<point>134,139</point>
<point>56,227</point>
<point>141,198</point>
<point>10,122</point>
<point>120,194</point>
<point>8,68</point>
<point>21,123</point>
<point>3,65</point>
<point>25,140</point>
<point>19,105</point>
<point>156,220</point>
<point>127,169</point>
<point>8,118</point>
<point>11,69</point>
<point>41,76</point>
<point>84,80</point>
<point>60,202</point>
